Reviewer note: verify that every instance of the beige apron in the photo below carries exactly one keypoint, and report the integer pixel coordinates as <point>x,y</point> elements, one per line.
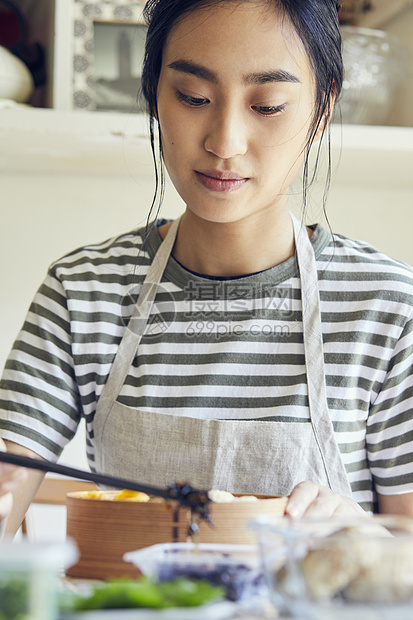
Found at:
<point>238,456</point>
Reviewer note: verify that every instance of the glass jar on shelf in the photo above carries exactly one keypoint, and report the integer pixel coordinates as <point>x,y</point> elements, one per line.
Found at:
<point>374,64</point>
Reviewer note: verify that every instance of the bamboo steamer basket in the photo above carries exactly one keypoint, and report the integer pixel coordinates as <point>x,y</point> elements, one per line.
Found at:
<point>105,530</point>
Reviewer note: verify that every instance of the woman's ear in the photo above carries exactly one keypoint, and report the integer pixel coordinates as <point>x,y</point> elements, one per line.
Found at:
<point>331,103</point>
<point>328,112</point>
<point>155,108</point>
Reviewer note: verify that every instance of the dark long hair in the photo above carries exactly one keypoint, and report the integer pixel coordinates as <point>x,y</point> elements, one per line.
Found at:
<point>316,23</point>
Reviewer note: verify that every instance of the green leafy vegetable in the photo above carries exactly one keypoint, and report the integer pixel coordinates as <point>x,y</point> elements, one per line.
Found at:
<point>184,592</point>
<point>14,599</point>
<point>122,594</point>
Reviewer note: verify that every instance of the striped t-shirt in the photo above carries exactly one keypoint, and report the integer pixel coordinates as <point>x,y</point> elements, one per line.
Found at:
<point>223,349</point>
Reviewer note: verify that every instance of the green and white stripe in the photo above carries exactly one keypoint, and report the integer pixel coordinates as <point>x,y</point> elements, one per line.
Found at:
<point>227,349</point>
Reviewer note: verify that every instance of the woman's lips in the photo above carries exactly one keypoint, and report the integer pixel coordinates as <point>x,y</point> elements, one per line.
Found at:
<point>221,181</point>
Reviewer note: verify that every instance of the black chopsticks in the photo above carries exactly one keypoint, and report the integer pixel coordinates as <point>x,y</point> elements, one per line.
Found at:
<point>110,481</point>
<point>182,492</point>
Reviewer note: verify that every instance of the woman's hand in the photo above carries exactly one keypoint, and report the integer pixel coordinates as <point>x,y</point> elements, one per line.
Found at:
<point>310,499</point>
<point>10,478</point>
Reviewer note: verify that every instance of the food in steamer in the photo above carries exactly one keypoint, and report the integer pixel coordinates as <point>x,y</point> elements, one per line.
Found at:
<point>125,496</point>
<point>215,495</point>
<point>223,497</point>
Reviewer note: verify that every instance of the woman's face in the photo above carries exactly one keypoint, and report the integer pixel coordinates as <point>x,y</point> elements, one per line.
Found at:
<point>236,97</point>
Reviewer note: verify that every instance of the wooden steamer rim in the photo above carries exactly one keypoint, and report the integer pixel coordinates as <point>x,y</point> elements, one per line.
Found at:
<point>105,530</point>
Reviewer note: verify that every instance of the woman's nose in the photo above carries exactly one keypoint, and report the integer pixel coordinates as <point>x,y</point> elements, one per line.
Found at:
<point>226,137</point>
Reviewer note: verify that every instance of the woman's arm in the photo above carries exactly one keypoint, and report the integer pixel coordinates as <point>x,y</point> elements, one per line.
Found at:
<point>10,477</point>
<point>21,492</point>
<point>40,401</point>
<point>396,504</point>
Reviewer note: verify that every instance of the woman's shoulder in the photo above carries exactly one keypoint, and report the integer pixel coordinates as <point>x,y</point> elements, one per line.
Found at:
<point>120,251</point>
<point>108,246</point>
<point>362,256</point>
<point>357,270</point>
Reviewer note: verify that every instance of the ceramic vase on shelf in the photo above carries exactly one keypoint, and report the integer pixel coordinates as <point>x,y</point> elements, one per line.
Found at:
<point>16,82</point>
<point>374,64</point>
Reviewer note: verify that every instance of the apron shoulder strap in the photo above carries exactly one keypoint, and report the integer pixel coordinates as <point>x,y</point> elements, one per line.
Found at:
<point>138,321</point>
<point>314,362</point>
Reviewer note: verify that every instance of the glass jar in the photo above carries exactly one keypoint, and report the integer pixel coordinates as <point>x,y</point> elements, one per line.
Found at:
<point>29,578</point>
<point>374,64</point>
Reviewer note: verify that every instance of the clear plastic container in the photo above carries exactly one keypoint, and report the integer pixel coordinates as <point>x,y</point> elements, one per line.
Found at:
<point>236,567</point>
<point>29,579</point>
<point>358,568</point>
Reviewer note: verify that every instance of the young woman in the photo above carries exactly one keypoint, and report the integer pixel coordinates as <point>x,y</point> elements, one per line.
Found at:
<point>234,347</point>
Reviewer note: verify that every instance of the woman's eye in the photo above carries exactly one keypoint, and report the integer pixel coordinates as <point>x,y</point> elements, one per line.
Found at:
<point>269,110</point>
<point>194,102</point>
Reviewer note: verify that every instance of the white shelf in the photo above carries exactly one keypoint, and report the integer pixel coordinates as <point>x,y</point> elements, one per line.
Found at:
<point>34,140</point>
<point>38,141</point>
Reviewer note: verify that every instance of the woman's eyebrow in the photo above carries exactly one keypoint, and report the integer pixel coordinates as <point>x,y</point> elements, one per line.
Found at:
<point>276,75</point>
<point>184,66</point>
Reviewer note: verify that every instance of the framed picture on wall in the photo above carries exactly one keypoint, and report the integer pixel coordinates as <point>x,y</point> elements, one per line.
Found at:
<point>368,14</point>
<point>108,51</point>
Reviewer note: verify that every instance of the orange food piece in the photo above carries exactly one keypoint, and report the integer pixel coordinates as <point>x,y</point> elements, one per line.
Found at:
<point>131,496</point>
<point>124,495</point>
<point>94,494</point>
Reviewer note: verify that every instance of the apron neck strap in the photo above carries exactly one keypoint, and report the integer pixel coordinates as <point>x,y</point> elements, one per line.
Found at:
<point>314,362</point>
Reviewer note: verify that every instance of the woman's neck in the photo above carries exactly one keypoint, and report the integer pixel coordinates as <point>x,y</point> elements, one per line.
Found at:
<point>233,249</point>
